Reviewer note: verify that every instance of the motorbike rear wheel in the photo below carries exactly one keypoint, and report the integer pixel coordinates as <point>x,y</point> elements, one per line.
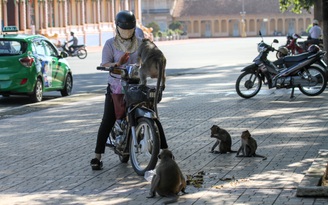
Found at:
<point>143,155</point>
<point>248,84</point>
<point>82,53</point>
<point>317,82</point>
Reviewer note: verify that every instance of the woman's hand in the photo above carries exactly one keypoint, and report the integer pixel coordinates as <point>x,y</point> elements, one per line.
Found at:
<point>124,59</point>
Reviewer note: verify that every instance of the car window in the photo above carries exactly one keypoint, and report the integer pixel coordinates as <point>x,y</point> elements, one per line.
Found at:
<point>12,47</point>
<point>39,48</point>
<point>50,50</point>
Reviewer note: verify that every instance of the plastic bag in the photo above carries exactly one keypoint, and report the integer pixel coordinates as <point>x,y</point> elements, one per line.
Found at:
<point>119,105</point>
<point>149,175</point>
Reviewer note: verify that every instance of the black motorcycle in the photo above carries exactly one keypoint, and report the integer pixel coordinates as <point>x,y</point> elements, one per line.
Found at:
<point>80,50</point>
<point>139,136</point>
<point>289,72</point>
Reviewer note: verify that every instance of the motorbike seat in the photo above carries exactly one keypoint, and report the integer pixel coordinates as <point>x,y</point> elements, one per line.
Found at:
<point>291,60</point>
<point>79,46</point>
<point>297,58</point>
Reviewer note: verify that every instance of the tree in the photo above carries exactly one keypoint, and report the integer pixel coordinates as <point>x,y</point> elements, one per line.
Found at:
<point>175,25</point>
<point>155,27</point>
<point>320,8</point>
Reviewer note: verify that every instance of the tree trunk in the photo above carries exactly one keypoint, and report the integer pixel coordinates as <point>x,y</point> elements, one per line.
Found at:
<point>317,10</point>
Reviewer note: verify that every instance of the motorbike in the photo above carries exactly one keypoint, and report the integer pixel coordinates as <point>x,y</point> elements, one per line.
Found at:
<point>139,136</point>
<point>290,72</point>
<point>80,50</point>
<point>293,47</point>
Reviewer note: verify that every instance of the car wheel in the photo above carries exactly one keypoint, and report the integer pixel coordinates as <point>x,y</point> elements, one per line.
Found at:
<point>67,90</point>
<point>37,94</point>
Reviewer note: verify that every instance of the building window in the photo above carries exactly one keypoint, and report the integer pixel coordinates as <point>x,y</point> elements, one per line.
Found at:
<point>216,26</point>
<point>224,26</point>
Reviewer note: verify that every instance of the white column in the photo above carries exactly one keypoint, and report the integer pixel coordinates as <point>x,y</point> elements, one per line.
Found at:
<point>137,6</point>
<point>5,20</point>
<point>65,13</point>
<point>16,14</point>
<point>23,16</point>
<point>46,19</point>
<point>126,5</point>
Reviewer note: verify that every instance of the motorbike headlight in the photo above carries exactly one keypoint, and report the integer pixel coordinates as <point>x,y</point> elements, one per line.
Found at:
<point>133,71</point>
<point>261,47</point>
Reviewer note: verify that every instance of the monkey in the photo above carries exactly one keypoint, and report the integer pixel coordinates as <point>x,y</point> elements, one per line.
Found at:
<point>152,63</point>
<point>168,180</point>
<point>223,138</point>
<point>248,146</point>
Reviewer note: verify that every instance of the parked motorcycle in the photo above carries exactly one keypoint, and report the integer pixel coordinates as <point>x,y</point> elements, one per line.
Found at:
<point>293,47</point>
<point>139,136</point>
<point>296,71</point>
<point>80,50</point>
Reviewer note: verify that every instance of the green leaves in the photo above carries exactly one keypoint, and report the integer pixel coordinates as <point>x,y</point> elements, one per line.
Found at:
<point>296,6</point>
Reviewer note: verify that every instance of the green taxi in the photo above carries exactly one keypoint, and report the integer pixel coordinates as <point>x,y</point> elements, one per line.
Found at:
<point>31,65</point>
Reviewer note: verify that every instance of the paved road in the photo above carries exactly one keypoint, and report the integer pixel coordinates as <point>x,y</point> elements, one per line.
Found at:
<point>45,154</point>
<point>182,57</point>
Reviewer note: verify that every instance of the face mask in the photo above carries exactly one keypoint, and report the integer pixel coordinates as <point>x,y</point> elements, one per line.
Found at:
<point>125,33</point>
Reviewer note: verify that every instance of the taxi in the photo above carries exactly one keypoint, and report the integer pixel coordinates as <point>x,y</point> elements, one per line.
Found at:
<point>31,65</point>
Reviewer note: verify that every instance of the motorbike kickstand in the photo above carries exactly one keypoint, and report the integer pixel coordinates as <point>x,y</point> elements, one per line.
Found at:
<point>292,94</point>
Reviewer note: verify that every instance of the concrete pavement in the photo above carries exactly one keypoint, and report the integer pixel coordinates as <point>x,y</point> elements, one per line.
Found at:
<point>45,154</point>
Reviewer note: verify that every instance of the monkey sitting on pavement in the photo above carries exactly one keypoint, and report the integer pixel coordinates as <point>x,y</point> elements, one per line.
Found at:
<point>168,180</point>
<point>248,146</point>
<point>152,63</point>
<point>223,138</point>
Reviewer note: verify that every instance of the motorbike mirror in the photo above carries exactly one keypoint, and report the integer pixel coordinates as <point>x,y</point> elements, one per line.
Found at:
<point>63,54</point>
<point>260,33</point>
<point>275,41</point>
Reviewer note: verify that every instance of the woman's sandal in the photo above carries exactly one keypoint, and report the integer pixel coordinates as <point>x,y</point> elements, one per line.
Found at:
<point>96,164</point>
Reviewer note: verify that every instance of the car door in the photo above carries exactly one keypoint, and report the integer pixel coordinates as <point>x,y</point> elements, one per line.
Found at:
<point>42,60</point>
<point>55,68</point>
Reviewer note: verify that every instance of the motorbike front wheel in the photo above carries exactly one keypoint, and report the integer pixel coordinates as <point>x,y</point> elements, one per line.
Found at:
<point>82,53</point>
<point>248,84</point>
<point>317,82</point>
<point>144,152</point>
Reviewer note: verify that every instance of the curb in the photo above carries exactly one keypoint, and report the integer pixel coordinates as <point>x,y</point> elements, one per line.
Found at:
<point>311,183</point>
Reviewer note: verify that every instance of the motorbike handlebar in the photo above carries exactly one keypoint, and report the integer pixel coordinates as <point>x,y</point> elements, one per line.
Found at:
<point>114,70</point>
<point>272,49</point>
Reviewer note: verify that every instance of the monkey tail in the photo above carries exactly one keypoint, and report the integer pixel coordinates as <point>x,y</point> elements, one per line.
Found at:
<point>257,155</point>
<point>160,84</point>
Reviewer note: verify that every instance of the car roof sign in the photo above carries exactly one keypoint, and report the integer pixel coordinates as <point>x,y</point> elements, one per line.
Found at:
<point>9,29</point>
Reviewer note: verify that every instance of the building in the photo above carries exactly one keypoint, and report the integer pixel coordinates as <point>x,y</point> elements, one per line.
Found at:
<point>159,11</point>
<point>225,18</point>
<point>92,21</point>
